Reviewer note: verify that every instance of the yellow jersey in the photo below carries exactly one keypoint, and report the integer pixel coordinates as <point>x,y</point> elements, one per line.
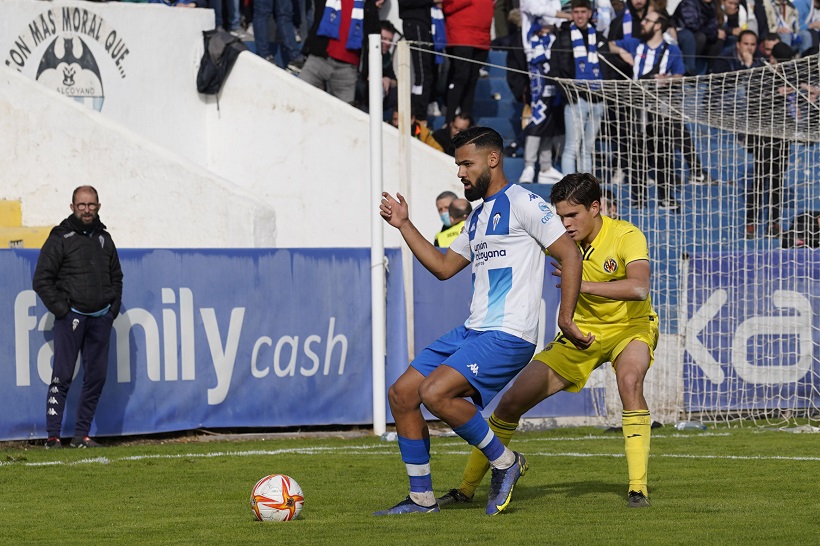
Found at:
<point>447,236</point>
<point>617,244</point>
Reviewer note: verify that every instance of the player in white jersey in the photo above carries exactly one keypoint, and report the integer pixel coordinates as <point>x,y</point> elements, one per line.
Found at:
<point>504,240</point>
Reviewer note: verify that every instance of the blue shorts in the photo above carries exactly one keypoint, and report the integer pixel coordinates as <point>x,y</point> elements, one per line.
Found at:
<point>488,360</point>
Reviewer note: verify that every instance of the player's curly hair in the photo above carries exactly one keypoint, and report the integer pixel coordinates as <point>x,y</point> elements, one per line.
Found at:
<point>482,137</point>
<point>577,189</point>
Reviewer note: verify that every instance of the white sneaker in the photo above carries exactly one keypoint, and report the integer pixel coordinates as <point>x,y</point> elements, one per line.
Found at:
<point>527,175</point>
<point>669,204</point>
<point>433,110</point>
<point>550,176</point>
<point>617,177</point>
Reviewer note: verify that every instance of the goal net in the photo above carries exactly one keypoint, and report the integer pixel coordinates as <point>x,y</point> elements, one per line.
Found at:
<point>722,174</point>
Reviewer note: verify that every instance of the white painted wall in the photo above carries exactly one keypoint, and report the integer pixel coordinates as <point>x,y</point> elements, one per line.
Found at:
<point>295,149</point>
<point>151,197</point>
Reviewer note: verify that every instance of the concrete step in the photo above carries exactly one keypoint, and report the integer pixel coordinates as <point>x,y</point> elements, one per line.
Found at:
<point>23,237</point>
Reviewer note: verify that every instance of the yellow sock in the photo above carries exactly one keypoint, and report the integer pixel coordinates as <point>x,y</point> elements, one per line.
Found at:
<point>637,427</point>
<point>477,463</point>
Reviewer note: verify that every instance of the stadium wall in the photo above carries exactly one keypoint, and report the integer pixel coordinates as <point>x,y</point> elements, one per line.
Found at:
<point>294,148</point>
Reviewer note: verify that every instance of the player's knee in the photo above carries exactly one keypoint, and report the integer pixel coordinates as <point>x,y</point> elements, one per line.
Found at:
<point>431,395</point>
<point>402,398</point>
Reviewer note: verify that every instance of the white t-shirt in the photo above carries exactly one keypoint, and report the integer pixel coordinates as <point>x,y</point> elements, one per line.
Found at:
<point>505,238</point>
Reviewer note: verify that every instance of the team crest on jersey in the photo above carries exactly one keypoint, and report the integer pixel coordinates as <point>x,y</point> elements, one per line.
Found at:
<point>610,265</point>
<point>496,219</point>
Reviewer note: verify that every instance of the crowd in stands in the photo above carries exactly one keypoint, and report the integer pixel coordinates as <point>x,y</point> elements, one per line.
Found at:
<point>574,39</point>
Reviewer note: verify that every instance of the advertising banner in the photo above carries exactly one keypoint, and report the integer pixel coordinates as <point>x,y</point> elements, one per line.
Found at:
<point>211,338</point>
<point>751,333</point>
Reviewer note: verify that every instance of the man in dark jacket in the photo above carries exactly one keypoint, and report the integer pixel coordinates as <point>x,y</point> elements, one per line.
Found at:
<point>697,26</point>
<point>79,279</point>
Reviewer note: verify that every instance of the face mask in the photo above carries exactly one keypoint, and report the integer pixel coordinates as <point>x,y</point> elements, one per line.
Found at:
<point>445,219</point>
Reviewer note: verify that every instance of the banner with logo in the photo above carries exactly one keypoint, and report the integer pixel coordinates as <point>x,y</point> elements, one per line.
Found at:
<point>238,338</point>
<point>751,331</point>
<point>211,338</point>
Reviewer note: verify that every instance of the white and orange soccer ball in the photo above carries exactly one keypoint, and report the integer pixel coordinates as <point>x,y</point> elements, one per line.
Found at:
<point>277,498</point>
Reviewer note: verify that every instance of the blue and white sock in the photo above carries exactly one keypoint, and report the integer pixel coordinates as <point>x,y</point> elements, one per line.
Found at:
<point>416,457</point>
<point>476,432</point>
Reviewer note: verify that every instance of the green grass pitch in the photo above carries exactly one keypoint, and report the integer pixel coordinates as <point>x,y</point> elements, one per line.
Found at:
<point>722,486</point>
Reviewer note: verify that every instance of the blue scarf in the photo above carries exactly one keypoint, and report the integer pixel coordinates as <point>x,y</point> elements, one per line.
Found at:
<point>627,26</point>
<point>439,32</point>
<point>332,21</point>
<point>542,96</point>
<point>586,61</point>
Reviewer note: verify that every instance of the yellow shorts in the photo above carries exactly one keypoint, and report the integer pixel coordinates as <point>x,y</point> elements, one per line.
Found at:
<point>576,365</point>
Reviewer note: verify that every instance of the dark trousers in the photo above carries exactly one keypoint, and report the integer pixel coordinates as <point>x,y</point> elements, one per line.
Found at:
<point>770,162</point>
<point>75,334</point>
<point>463,78</point>
<point>654,134</point>
<point>423,77</point>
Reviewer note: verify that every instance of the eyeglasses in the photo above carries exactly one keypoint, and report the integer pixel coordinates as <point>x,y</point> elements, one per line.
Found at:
<point>89,206</point>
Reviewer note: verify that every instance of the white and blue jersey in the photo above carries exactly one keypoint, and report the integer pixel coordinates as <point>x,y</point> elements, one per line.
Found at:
<point>505,238</point>
<point>666,59</point>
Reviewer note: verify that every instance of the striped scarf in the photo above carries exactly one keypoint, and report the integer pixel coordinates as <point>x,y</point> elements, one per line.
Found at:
<point>332,20</point>
<point>627,26</point>
<point>542,95</point>
<point>439,32</point>
<point>586,60</point>
<point>647,59</point>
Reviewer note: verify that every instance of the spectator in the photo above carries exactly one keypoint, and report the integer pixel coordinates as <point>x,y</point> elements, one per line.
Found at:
<point>767,45</point>
<point>468,25</point>
<point>732,20</point>
<point>282,11</point>
<point>419,131</point>
<point>334,47</point>
<point>779,17</point>
<point>609,204</point>
<point>444,136</point>
<point>458,211</point>
<point>545,130</point>
<point>810,29</point>
<point>443,202</point>
<point>742,55</point>
<point>804,231</point>
<point>697,29</point>
<point>417,24</point>
<point>770,154</point>
<point>652,57</point>
<point>575,56</point>
<point>389,80</point>
<point>79,279</point>
<point>227,19</point>
<point>629,20</point>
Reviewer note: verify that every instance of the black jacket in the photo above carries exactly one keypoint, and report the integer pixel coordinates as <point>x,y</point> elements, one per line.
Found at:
<point>79,267</point>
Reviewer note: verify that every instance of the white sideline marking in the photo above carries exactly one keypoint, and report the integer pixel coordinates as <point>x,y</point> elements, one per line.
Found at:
<point>390,450</point>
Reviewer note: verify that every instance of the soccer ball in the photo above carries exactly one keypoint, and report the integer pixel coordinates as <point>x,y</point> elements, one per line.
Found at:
<point>276,498</point>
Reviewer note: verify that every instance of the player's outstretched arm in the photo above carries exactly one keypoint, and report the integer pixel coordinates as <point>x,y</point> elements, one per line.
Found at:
<point>566,251</point>
<point>443,266</point>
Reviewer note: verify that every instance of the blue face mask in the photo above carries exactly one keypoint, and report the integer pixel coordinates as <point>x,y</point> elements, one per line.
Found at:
<point>445,219</point>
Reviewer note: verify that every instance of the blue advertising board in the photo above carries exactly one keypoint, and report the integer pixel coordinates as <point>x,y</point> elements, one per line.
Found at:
<point>211,338</point>
<point>751,333</point>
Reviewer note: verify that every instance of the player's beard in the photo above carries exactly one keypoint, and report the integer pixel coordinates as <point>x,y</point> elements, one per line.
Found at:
<point>479,188</point>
